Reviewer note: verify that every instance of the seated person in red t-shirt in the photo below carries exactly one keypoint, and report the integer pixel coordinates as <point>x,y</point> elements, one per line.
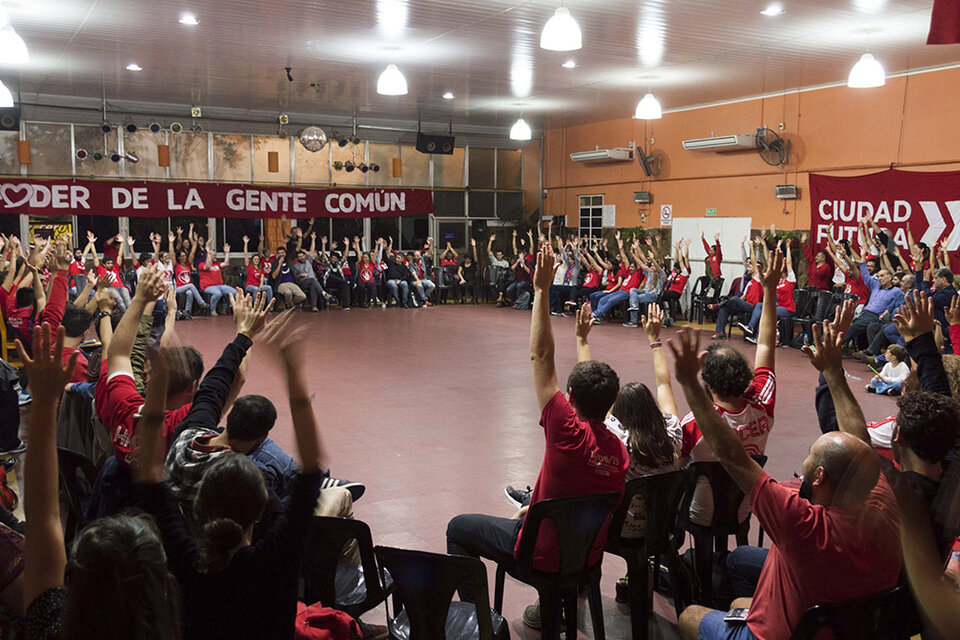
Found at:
<point>22,296</point>
<point>256,276</point>
<point>591,269</point>
<point>111,270</point>
<point>835,540</point>
<point>118,403</point>
<point>680,273</point>
<point>786,305</point>
<point>211,278</point>
<point>78,272</point>
<point>582,456</point>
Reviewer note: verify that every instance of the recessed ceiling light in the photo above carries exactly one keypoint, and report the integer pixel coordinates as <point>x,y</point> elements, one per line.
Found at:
<point>189,18</point>
<point>448,96</point>
<point>774,9</point>
<point>133,66</point>
<point>569,64</point>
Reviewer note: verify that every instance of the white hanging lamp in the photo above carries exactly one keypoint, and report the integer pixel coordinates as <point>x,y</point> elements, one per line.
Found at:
<point>6,98</point>
<point>867,73</point>
<point>13,50</point>
<point>648,108</point>
<point>392,82</point>
<point>520,130</point>
<point>561,33</point>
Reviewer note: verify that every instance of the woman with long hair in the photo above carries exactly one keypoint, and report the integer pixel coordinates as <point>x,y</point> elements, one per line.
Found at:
<point>116,585</point>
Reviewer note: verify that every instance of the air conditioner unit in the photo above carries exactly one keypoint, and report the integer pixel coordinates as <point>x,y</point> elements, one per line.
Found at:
<point>619,154</point>
<point>722,143</point>
<point>642,197</point>
<point>787,191</point>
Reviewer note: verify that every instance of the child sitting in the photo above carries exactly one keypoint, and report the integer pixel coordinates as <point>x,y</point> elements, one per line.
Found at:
<point>890,379</point>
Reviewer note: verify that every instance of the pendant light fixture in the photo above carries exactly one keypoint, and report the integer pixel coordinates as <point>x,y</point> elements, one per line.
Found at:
<point>6,98</point>
<point>867,73</point>
<point>520,130</point>
<point>648,108</point>
<point>392,82</point>
<point>561,33</point>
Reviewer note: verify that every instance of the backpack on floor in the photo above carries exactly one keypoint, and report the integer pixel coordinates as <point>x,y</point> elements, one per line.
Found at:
<point>523,302</point>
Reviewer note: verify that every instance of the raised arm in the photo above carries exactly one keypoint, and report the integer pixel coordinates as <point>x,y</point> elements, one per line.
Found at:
<point>473,250</point>
<point>767,334</point>
<point>826,357</point>
<point>651,326</point>
<point>149,287</point>
<point>226,254</point>
<point>45,557</point>
<point>584,323</point>
<point>246,256</point>
<point>513,241</point>
<point>541,331</point>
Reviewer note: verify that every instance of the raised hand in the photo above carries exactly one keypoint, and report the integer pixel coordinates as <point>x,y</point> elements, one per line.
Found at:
<point>953,311</point>
<point>130,240</point>
<point>249,314</point>
<point>770,278</point>
<point>827,349</point>
<point>282,339</point>
<point>90,237</point>
<point>686,356</point>
<point>473,242</point>
<point>226,247</point>
<point>546,269</point>
<point>653,323</point>
<point>47,373</point>
<point>246,240</point>
<point>150,284</point>
<point>61,257</point>
<point>915,319</point>
<point>804,236</point>
<point>105,300</point>
<point>585,321</point>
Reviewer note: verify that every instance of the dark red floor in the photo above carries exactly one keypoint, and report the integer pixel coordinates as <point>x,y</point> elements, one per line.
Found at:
<point>433,409</point>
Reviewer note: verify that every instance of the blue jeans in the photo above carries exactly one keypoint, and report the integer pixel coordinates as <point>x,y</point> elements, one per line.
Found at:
<point>731,307</point>
<point>404,291</point>
<point>892,334</point>
<point>713,627</point>
<point>216,292</point>
<point>882,387</point>
<point>424,289</point>
<point>782,312</point>
<point>190,290</point>
<point>745,564</point>
<point>638,297</point>
<point>517,287</point>
<point>595,299</point>
<point>610,300</point>
<point>267,290</point>
<point>559,294</point>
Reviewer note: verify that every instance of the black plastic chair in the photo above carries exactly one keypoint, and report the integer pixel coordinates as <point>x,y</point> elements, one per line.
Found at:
<point>821,303</point>
<point>578,522</point>
<point>352,588</point>
<point>77,477</point>
<point>445,277</point>
<point>877,617</point>
<point>423,599</point>
<point>658,496</point>
<point>710,295</point>
<point>707,540</point>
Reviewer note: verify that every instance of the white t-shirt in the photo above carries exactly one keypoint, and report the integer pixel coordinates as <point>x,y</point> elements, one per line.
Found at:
<point>896,373</point>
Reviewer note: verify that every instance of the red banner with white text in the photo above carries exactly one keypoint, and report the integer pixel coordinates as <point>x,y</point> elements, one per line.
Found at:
<point>926,203</point>
<point>210,200</point>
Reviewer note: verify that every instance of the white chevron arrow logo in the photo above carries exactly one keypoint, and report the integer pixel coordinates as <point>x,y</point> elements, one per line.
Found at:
<point>935,222</point>
<point>953,242</point>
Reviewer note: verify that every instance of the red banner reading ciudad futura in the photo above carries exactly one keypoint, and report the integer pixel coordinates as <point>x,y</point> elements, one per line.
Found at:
<point>211,200</point>
<point>926,203</point>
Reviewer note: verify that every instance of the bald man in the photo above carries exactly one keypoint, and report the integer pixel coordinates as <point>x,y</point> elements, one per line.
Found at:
<point>835,539</point>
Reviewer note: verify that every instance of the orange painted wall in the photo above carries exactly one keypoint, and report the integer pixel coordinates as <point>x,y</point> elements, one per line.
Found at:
<point>911,122</point>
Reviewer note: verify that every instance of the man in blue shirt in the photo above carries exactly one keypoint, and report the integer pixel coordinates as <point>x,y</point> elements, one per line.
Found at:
<point>883,296</point>
<point>942,293</point>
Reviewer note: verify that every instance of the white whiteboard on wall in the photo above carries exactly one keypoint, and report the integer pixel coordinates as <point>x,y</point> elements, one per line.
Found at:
<point>731,230</point>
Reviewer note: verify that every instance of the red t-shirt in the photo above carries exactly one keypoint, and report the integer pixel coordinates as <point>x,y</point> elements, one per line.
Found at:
<point>20,319</point>
<point>522,274</point>
<point>680,282</point>
<point>112,276</point>
<point>365,272</point>
<point>752,423</point>
<point>631,280</point>
<point>210,277</point>
<point>713,261</point>
<point>754,292</point>
<point>110,250</point>
<point>581,457</point>
<point>448,262</point>
<point>785,293</point>
<point>820,554</point>
<point>254,276</point>
<point>118,407</point>
<point>77,268</point>
<point>182,274</point>
<point>857,286</point>
<point>592,279</point>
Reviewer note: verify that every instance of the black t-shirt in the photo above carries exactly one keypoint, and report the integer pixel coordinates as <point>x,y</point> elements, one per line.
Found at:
<point>469,273</point>
<point>922,488</point>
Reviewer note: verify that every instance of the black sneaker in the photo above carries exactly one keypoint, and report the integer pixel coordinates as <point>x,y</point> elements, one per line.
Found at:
<point>19,447</point>
<point>356,489</point>
<point>630,324</point>
<point>752,339</point>
<point>519,497</point>
<point>623,590</point>
<point>747,331</point>
<point>571,303</point>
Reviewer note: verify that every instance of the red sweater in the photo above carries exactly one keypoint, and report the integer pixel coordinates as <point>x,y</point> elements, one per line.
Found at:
<point>713,261</point>
<point>819,276</point>
<point>53,315</point>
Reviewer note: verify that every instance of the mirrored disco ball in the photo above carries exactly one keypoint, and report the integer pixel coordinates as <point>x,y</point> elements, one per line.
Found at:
<point>313,138</point>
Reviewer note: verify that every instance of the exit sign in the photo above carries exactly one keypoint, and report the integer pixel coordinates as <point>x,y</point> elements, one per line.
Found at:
<point>711,212</point>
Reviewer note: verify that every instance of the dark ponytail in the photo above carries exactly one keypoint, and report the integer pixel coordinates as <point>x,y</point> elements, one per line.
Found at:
<point>647,439</point>
<point>231,498</point>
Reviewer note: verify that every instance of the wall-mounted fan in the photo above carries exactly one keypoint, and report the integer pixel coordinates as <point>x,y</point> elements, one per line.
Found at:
<point>774,150</point>
<point>650,164</point>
